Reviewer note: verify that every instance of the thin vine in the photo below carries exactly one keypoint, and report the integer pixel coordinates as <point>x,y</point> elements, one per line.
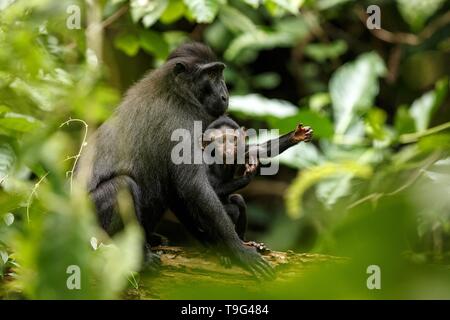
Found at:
<point>80,150</point>
<point>68,173</point>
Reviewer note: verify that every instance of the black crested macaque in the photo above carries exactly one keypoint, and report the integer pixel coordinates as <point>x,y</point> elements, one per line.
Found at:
<point>223,136</point>
<point>132,151</point>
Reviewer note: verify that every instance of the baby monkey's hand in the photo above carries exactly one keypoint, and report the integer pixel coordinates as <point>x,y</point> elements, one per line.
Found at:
<point>251,166</point>
<point>302,133</point>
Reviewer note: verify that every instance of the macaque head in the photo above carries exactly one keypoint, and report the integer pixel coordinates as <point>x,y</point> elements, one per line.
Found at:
<point>223,142</point>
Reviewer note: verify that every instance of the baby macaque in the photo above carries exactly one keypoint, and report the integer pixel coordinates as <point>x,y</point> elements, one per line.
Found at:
<point>224,139</point>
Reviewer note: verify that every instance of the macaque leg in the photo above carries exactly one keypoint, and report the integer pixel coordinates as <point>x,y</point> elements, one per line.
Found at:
<point>203,209</point>
<point>104,197</point>
<point>240,217</point>
<point>240,221</point>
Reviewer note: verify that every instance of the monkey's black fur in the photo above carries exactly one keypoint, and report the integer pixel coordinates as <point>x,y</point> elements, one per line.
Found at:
<point>132,150</point>
<point>229,178</point>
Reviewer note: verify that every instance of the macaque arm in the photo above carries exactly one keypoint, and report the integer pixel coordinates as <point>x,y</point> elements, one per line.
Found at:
<point>274,147</point>
<point>232,186</point>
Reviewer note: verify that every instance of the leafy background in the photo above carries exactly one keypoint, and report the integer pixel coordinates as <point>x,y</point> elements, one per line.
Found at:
<point>373,185</point>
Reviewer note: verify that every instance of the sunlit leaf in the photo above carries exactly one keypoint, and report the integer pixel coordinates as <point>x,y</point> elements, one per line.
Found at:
<point>7,159</point>
<point>311,176</point>
<point>423,108</point>
<point>253,3</point>
<point>204,11</point>
<point>285,33</point>
<point>301,156</point>
<point>417,12</point>
<point>9,219</point>
<point>235,20</point>
<point>404,122</point>
<point>327,4</point>
<point>18,122</point>
<point>257,105</point>
<point>147,10</point>
<point>375,123</point>
<point>353,88</point>
<point>174,11</point>
<point>277,7</point>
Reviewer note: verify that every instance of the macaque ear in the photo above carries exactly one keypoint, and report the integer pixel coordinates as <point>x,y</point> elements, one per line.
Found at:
<point>179,67</point>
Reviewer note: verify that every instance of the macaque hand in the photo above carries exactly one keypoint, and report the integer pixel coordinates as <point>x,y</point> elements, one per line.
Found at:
<point>251,166</point>
<point>302,133</point>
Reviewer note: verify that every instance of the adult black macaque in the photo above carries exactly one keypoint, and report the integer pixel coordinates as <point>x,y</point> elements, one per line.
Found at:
<point>132,151</point>
<point>223,137</point>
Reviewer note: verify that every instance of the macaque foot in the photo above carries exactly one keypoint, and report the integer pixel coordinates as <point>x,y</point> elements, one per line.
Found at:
<point>302,133</point>
<point>259,246</point>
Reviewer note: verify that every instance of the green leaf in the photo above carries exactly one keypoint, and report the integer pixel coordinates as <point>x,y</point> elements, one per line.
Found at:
<point>417,12</point>
<point>323,51</point>
<point>7,159</point>
<point>278,7</point>
<point>403,121</point>
<point>19,123</point>
<point>8,219</point>
<point>258,40</point>
<point>174,11</point>
<point>203,11</point>
<point>318,101</point>
<point>147,10</point>
<point>423,109</point>
<point>175,38</point>
<point>375,123</point>
<point>253,3</point>
<point>256,105</point>
<point>128,43</point>
<point>235,21</point>
<point>332,189</point>
<point>301,156</point>
<point>353,88</point>
<point>327,4</point>
<point>4,109</point>
<point>286,33</point>
<point>322,126</point>
<point>154,43</point>
<point>313,175</point>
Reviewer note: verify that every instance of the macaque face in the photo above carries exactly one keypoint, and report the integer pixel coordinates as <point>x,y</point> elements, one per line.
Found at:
<point>225,140</point>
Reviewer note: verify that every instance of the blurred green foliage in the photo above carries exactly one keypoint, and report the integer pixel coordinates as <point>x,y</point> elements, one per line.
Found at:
<point>373,186</point>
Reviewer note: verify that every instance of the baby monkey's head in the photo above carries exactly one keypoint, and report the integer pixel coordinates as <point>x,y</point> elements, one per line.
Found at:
<point>222,139</point>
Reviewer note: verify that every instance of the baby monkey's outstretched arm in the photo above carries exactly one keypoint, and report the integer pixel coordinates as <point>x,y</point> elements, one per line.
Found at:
<point>274,147</point>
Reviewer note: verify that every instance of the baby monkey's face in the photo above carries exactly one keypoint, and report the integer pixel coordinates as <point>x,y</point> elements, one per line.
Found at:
<point>225,141</point>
